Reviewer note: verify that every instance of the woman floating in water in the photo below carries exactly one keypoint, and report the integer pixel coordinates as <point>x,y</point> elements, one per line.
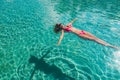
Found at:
<point>80,33</point>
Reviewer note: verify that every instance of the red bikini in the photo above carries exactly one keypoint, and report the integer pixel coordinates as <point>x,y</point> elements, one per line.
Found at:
<point>82,32</point>
<point>67,29</point>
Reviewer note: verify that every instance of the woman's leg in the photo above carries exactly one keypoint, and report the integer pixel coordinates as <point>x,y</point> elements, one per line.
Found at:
<point>94,38</point>
<point>101,42</point>
<point>105,43</point>
<point>87,35</point>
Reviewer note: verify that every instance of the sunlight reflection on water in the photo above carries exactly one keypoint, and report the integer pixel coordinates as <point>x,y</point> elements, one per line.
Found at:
<point>115,62</point>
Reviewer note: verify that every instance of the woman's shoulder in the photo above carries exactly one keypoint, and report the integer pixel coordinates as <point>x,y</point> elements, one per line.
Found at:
<point>69,25</point>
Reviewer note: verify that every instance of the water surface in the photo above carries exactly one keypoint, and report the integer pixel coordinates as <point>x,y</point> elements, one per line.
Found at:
<point>26,28</point>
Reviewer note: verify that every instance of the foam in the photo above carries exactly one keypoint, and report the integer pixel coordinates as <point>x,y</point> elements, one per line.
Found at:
<point>116,61</point>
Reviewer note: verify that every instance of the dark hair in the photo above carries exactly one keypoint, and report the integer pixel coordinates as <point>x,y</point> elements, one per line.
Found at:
<point>57,28</point>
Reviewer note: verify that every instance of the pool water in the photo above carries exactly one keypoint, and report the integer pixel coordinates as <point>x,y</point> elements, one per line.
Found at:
<point>28,48</point>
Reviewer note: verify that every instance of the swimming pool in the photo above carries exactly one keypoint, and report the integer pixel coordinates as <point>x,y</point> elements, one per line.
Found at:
<point>26,34</point>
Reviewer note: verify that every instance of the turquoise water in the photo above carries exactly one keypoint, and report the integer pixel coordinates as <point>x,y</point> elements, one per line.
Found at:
<point>26,28</point>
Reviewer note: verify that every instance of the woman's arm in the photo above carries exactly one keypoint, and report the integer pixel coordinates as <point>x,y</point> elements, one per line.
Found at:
<point>73,20</point>
<point>61,37</point>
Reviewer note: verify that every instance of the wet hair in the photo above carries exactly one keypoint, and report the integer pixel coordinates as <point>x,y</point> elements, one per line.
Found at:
<point>57,28</point>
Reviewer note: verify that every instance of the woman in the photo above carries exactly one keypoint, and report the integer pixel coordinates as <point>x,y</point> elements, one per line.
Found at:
<point>80,33</point>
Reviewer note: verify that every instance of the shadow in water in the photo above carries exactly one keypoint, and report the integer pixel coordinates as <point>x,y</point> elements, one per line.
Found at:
<point>41,65</point>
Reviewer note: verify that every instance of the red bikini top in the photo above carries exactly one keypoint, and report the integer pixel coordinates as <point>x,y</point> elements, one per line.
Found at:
<point>67,29</point>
